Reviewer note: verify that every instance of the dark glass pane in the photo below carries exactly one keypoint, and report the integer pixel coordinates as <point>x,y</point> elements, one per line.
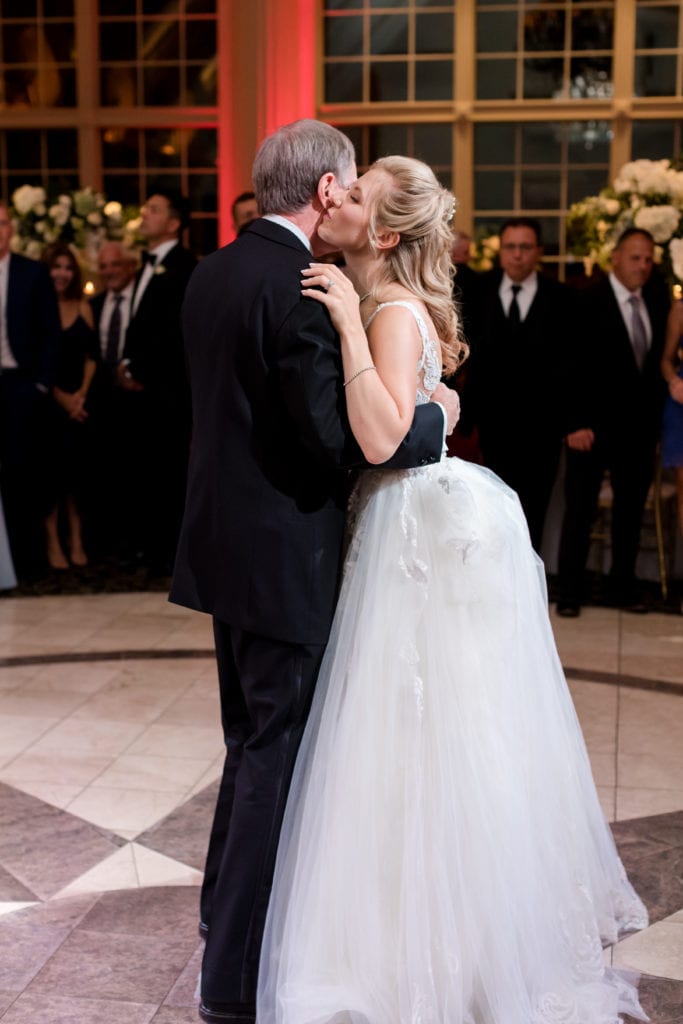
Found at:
<point>55,8</point>
<point>589,142</point>
<point>202,147</point>
<point>200,6</point>
<point>591,77</point>
<point>434,79</point>
<point>23,149</point>
<point>118,40</point>
<point>497,32</point>
<point>655,76</point>
<point>57,183</point>
<point>542,77</point>
<point>118,87</point>
<point>494,143</point>
<point>120,148</point>
<point>434,33</point>
<point>60,42</point>
<point>435,3</point>
<point>160,40</point>
<point>389,3</point>
<point>161,86</point>
<point>550,233</point>
<point>123,188</point>
<point>201,84</point>
<point>433,143</point>
<point>343,5</point>
<point>203,193</point>
<point>160,6</point>
<point>543,30</point>
<point>19,8</point>
<point>389,81</point>
<point>656,27</point>
<point>355,134</point>
<point>541,190</point>
<point>200,40</point>
<point>541,143</point>
<point>653,140</point>
<point>162,148</point>
<point>592,30</point>
<point>203,236</point>
<point>444,177</point>
<point>343,37</point>
<point>62,147</point>
<point>389,33</point>
<point>116,7</point>
<point>20,43</point>
<point>493,190</point>
<point>19,86</point>
<point>386,139</point>
<point>586,182</point>
<point>343,83</point>
<point>65,96</point>
<point>15,181</point>
<point>496,80</point>
<point>162,183</point>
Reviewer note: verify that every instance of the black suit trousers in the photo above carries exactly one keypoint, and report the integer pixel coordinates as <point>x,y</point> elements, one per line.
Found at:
<point>266,688</point>
<point>630,461</point>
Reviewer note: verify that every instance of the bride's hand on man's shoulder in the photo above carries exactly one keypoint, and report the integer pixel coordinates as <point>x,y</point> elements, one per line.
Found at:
<point>330,286</point>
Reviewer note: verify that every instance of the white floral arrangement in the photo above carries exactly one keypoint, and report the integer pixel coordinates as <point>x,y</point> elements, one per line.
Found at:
<point>83,219</point>
<point>485,250</point>
<point>646,194</point>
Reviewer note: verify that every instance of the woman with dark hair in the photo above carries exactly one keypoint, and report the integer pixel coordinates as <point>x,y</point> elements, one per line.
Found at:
<point>66,431</point>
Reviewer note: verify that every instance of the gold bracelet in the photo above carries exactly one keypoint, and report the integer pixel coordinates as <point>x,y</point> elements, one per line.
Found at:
<point>358,373</point>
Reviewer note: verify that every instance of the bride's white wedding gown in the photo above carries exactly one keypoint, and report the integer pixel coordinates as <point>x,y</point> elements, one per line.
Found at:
<point>444,857</point>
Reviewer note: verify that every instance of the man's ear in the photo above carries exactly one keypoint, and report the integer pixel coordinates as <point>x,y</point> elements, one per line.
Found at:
<point>385,239</point>
<point>326,190</point>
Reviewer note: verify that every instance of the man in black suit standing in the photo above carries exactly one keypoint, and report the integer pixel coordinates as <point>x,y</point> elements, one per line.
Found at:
<point>520,330</point>
<point>616,397</point>
<point>153,369</point>
<point>261,541</point>
<point>29,337</point>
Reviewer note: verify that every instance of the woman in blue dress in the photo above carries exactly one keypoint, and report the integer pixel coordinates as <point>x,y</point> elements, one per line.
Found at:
<point>672,423</point>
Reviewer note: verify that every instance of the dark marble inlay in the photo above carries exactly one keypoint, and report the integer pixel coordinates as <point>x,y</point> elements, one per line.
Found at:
<point>176,1015</point>
<point>184,833</point>
<point>6,999</point>
<point>74,656</point>
<point>628,682</point>
<point>63,913</point>
<point>652,852</point>
<point>166,911</point>
<point>34,1009</point>
<point>662,999</point>
<point>183,992</point>
<point>24,949</point>
<point>46,848</point>
<point>132,968</point>
<point>12,891</point>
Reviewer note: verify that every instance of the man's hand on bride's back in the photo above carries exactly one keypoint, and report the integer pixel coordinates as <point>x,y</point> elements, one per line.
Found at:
<point>450,400</point>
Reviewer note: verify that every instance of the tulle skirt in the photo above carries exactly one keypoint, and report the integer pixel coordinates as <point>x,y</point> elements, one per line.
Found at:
<point>444,857</point>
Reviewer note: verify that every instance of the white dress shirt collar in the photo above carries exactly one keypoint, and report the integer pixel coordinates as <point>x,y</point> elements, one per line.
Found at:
<point>525,296</point>
<point>294,228</point>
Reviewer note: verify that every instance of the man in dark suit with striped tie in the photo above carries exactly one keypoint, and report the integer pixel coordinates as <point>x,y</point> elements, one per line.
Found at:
<point>615,396</point>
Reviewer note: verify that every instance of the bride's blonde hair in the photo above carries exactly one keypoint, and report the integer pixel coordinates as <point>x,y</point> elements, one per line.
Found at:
<point>420,210</point>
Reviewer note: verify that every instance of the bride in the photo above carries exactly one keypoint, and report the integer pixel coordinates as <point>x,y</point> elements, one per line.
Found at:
<point>444,857</point>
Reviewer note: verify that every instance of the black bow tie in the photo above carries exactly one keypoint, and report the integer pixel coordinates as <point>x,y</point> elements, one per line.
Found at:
<point>149,257</point>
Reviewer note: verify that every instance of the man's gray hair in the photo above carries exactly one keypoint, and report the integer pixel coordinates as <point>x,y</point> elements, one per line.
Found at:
<point>290,163</point>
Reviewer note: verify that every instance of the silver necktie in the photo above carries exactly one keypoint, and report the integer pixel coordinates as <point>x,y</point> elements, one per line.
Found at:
<point>638,332</point>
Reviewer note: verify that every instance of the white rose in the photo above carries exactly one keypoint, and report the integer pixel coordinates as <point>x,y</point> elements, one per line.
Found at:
<point>59,214</point>
<point>22,199</point>
<point>611,207</point>
<point>113,210</point>
<point>660,221</point>
<point>676,254</point>
<point>64,200</point>
<point>34,249</point>
<point>94,218</point>
<point>40,227</point>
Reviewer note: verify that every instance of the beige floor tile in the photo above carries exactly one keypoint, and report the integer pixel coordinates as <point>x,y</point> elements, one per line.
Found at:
<point>596,706</point>
<point>642,803</point>
<point>36,702</point>
<point>131,809</point>
<point>11,908</point>
<point>177,741</point>
<point>608,799</point>
<point>194,710</point>
<point>123,706</point>
<point>72,677</point>
<point>589,642</point>
<point>160,774</point>
<point>658,950</point>
<point>652,666</point>
<point>77,736</point>
<point>213,773</point>
<point>67,769</point>
<point>16,677</point>
<point>155,869</point>
<point>115,872</point>
<point>604,769</point>
<point>53,793</point>
<point>18,732</point>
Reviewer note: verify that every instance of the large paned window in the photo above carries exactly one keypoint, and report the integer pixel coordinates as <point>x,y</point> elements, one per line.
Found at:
<point>432,143</point>
<point>658,49</point>
<point>37,54</point>
<point>47,157</point>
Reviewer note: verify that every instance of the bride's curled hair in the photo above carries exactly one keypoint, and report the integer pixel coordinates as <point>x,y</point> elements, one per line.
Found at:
<point>420,210</point>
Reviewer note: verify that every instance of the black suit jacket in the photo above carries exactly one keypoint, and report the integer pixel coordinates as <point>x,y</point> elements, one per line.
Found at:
<point>33,327</point>
<point>517,378</point>
<point>261,540</point>
<point>154,340</point>
<point>608,393</point>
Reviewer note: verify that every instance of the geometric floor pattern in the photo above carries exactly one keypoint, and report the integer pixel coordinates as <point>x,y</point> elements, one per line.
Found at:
<point>110,752</point>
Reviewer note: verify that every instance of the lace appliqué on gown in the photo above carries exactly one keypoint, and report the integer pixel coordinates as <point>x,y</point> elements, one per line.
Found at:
<point>429,364</point>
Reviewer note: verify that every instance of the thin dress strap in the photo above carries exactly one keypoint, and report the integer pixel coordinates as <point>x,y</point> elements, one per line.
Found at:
<point>429,366</point>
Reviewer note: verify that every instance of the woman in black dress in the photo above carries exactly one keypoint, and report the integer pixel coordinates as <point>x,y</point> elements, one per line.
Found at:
<point>66,433</point>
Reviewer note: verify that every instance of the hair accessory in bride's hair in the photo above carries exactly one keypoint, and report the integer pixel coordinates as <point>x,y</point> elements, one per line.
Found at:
<point>451,212</point>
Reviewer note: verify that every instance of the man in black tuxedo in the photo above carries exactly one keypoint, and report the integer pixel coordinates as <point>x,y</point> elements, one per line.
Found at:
<point>114,504</point>
<point>520,329</point>
<point>261,541</point>
<point>29,337</point>
<point>616,399</point>
<point>153,370</point>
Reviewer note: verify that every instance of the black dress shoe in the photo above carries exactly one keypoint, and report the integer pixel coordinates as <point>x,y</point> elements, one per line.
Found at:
<point>568,609</point>
<point>227,1013</point>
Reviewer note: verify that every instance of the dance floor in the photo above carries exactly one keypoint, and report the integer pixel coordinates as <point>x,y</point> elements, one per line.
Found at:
<point>110,752</point>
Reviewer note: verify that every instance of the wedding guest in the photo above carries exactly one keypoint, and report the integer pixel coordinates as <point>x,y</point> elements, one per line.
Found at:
<point>615,396</point>
<point>672,422</point>
<point>244,210</point>
<point>29,337</point>
<point>66,429</point>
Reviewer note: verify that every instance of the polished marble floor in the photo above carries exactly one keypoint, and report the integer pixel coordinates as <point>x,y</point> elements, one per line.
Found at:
<point>110,751</point>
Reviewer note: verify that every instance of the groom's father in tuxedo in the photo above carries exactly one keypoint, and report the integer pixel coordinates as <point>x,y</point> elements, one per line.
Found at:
<point>261,539</point>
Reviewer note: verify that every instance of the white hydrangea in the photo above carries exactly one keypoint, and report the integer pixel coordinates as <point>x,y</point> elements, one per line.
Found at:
<point>113,210</point>
<point>27,198</point>
<point>94,218</point>
<point>660,221</point>
<point>59,214</point>
<point>676,254</point>
<point>610,206</point>
<point>646,177</point>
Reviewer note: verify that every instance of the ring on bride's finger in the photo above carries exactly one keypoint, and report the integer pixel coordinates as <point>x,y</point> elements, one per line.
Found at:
<point>329,283</point>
